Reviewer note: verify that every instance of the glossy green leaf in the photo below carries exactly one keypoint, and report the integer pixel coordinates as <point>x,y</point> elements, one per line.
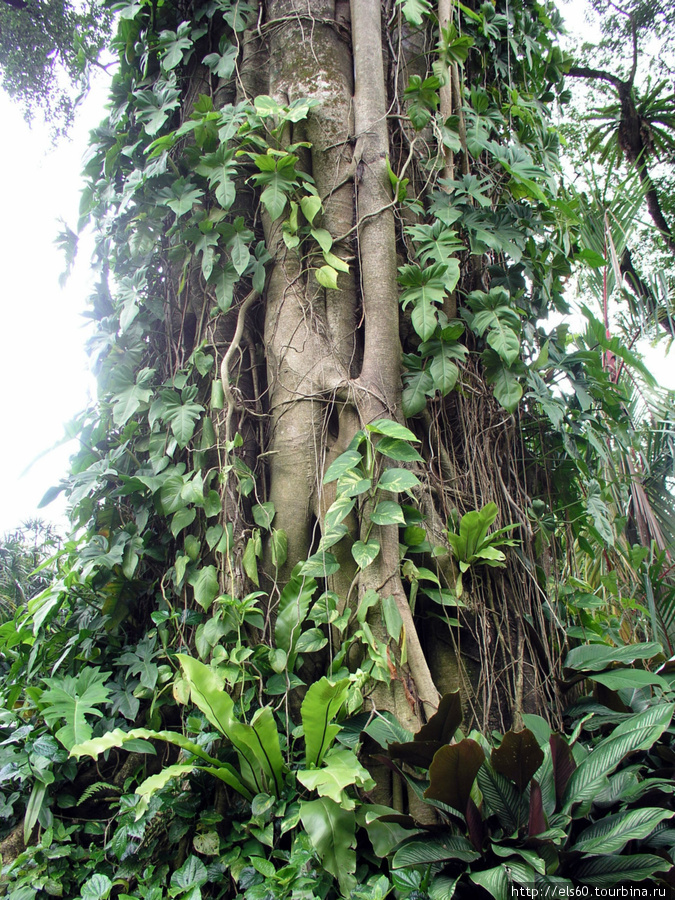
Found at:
<point>321,705</point>
<point>364,554</point>
<point>397,480</point>
<point>331,830</point>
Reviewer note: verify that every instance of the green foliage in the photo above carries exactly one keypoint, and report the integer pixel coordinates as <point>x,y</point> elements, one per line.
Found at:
<point>210,683</point>
<point>46,52</point>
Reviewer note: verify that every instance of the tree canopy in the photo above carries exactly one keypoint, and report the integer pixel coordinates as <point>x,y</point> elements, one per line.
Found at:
<point>369,588</point>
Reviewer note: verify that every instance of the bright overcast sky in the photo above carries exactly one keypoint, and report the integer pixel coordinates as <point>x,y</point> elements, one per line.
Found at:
<point>43,367</point>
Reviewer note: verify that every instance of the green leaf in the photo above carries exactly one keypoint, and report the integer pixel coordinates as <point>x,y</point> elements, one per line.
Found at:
<point>310,206</point>
<point>397,480</point>
<point>444,373</point>
<point>346,462</point>
<point>508,390</point>
<point>434,849</point>
<point>502,798</point>
<point>321,705</point>
<point>392,617</point>
<point>73,698</point>
<point>636,733</point>
<point>387,513</point>
<point>494,881</point>
<point>619,679</point>
<point>98,887</point>
<point>320,565</point>
<point>206,586</point>
<point>611,834</point>
<point>257,744</point>
<point>415,10</point>
<point>327,277</point>
<point>292,612</point>
<point>250,561</point>
<point>341,768</point>
<point>415,392</point>
<point>331,829</point>
<point>397,449</point>
<point>338,511</point>
<point>263,513</point>
<point>33,808</point>
<point>595,657</point>
<point>191,874</point>
<point>183,518</point>
<point>392,429</point>
<point>364,554</point>
<point>273,198</point>
<point>604,871</point>
<point>425,319</point>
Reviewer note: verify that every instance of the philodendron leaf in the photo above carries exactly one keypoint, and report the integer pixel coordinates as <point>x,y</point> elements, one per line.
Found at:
<point>452,773</point>
<point>321,705</point>
<point>331,829</point>
<point>518,757</point>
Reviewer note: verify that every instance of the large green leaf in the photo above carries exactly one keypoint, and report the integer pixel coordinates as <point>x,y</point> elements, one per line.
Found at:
<point>636,733</point>
<point>321,705</point>
<point>596,657</point>
<point>494,881</point>
<point>257,744</point>
<point>341,768</point>
<point>502,797</point>
<point>331,830</point>
<point>73,699</point>
<point>417,851</point>
<point>603,871</point>
<point>611,834</point>
<point>292,612</point>
<point>384,835</point>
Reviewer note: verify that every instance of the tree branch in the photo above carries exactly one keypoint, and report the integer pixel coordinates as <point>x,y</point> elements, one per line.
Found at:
<point>585,72</point>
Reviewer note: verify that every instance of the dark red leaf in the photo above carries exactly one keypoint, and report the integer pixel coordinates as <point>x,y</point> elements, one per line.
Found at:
<point>518,757</point>
<point>563,763</point>
<point>537,820</point>
<point>452,773</point>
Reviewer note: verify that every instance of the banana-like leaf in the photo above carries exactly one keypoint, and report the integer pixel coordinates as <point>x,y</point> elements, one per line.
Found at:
<point>257,744</point>
<point>603,871</point>
<point>321,705</point>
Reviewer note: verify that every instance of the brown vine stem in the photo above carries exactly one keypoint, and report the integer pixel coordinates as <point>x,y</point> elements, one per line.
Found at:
<point>247,302</point>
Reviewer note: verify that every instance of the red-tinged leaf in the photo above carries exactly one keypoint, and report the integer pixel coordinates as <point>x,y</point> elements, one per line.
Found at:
<point>537,819</point>
<point>474,821</point>
<point>518,757</point>
<point>563,764</point>
<point>452,773</point>
<point>445,721</point>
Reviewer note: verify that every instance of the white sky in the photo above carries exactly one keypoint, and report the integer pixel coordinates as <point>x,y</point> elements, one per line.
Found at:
<point>43,367</point>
